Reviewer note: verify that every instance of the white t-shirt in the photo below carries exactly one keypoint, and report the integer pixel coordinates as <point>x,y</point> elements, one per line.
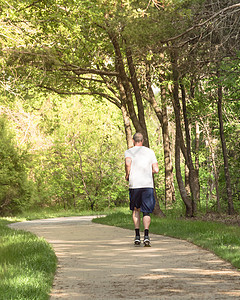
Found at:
<point>141,167</point>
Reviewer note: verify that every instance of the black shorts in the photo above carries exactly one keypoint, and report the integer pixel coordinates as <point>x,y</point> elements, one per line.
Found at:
<point>142,198</point>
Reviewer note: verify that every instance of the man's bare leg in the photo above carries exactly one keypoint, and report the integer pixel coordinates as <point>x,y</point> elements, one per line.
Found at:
<point>136,217</point>
<point>146,222</point>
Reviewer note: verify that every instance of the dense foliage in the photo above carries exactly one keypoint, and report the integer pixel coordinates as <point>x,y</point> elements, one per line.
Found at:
<point>74,157</point>
<point>15,187</point>
<point>83,167</point>
<point>80,77</point>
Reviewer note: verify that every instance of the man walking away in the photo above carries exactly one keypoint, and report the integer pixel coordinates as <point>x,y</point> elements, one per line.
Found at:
<point>140,165</point>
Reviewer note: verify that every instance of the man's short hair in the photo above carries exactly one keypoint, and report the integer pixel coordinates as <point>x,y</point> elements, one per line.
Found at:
<point>138,137</point>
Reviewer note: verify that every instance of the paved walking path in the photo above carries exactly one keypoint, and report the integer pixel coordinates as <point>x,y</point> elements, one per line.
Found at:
<point>101,262</point>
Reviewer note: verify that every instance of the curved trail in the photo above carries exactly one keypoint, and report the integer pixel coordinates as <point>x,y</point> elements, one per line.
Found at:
<point>100,262</point>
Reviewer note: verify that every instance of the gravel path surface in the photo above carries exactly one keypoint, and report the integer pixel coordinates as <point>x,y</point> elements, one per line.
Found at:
<point>100,262</point>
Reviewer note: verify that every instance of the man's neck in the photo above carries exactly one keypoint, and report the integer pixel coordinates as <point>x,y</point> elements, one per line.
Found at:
<point>138,144</point>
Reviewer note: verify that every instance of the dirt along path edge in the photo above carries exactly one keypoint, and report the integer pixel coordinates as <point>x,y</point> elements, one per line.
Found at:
<point>100,262</point>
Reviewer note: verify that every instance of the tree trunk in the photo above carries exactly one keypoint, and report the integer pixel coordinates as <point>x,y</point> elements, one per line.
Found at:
<point>163,119</point>
<point>138,97</point>
<point>127,126</point>
<point>197,142</point>
<point>187,184</point>
<point>182,189</point>
<point>179,143</point>
<point>209,193</point>
<point>169,182</point>
<point>193,173</point>
<point>224,150</point>
<point>215,172</point>
<point>214,167</point>
<point>125,91</point>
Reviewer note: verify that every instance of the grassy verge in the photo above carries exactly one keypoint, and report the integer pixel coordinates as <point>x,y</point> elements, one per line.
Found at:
<point>221,239</point>
<point>27,265</point>
<point>48,212</point>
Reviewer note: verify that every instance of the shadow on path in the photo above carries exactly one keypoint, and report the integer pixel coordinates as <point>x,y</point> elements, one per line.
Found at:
<point>100,262</point>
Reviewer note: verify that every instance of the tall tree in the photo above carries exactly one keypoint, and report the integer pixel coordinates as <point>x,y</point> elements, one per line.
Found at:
<point>162,116</point>
<point>101,50</point>
<point>56,59</point>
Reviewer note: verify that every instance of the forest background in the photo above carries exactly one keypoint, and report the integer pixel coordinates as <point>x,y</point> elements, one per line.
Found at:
<point>80,77</point>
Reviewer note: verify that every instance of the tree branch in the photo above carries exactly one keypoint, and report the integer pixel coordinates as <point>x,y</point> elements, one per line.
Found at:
<point>80,71</point>
<point>203,23</point>
<point>89,93</point>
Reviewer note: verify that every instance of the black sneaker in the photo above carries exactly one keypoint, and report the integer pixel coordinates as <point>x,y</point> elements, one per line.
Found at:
<point>146,241</point>
<point>137,240</point>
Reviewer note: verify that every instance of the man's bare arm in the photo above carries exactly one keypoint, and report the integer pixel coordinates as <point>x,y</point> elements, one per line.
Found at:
<point>155,168</point>
<point>128,162</point>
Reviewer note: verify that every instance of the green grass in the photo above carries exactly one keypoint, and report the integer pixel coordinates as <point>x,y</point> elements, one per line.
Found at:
<point>27,265</point>
<point>221,239</point>
<point>51,212</point>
